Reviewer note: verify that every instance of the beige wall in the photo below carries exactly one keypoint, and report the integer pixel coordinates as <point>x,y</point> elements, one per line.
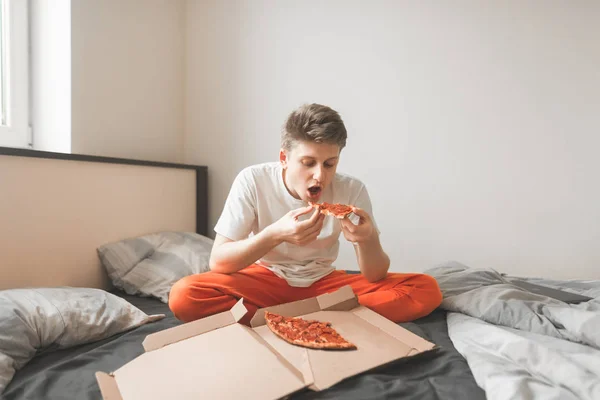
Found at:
<point>128,78</point>
<point>474,125</point>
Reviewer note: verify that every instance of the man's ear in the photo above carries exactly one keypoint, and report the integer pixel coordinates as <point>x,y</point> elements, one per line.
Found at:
<point>283,158</point>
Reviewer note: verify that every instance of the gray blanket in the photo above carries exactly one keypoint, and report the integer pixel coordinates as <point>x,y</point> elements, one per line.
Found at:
<point>520,344</point>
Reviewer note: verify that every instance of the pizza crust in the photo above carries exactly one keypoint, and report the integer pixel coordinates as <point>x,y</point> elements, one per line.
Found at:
<point>328,346</point>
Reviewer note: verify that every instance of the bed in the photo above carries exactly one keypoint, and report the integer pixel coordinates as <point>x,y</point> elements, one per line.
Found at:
<point>100,225</point>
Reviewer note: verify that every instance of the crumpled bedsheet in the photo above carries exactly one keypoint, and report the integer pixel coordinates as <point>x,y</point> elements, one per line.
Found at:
<point>521,345</point>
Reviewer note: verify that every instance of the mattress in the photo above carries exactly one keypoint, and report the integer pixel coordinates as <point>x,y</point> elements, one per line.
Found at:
<point>69,374</point>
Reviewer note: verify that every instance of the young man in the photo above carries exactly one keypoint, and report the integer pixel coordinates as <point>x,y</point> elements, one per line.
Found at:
<point>272,247</point>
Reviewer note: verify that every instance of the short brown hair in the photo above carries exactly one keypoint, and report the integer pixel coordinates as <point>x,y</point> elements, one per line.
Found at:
<point>316,123</point>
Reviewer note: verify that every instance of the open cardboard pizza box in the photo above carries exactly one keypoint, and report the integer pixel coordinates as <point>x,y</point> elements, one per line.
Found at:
<point>217,357</point>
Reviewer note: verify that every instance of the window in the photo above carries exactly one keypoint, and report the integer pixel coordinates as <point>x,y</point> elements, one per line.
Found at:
<point>14,74</point>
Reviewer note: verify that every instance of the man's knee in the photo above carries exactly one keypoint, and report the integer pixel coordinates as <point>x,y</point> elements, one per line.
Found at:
<point>428,293</point>
<point>418,296</point>
<point>181,301</point>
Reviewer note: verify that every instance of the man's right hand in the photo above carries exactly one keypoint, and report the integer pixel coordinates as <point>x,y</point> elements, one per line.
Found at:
<point>289,229</point>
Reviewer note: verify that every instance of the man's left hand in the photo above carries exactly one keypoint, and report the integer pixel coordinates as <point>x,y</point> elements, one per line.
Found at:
<point>361,232</point>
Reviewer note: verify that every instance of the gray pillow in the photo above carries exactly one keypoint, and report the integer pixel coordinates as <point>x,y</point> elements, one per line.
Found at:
<point>38,319</point>
<point>150,265</point>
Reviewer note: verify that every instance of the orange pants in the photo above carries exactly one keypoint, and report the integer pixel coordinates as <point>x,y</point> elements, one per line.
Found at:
<point>398,297</point>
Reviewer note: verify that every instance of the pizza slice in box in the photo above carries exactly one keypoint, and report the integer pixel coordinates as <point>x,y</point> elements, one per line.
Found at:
<point>307,333</point>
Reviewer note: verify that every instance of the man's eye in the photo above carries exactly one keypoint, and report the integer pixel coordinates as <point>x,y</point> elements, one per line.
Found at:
<point>329,165</point>
<point>309,164</point>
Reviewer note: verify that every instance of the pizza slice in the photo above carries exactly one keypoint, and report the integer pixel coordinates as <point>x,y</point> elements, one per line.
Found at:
<point>336,210</point>
<point>307,333</point>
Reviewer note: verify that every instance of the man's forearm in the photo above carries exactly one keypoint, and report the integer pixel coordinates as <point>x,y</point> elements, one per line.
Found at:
<point>231,257</point>
<point>372,260</point>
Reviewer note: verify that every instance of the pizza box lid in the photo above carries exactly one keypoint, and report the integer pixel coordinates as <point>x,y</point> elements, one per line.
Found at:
<point>201,359</point>
<point>378,339</point>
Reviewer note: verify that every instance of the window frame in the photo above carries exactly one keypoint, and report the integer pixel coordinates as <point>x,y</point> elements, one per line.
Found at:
<point>16,132</point>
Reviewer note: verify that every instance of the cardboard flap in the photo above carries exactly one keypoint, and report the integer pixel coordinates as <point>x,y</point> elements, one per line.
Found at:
<point>160,339</point>
<point>108,386</point>
<point>207,366</point>
<point>415,342</point>
<point>238,310</point>
<point>292,309</point>
<point>295,355</point>
<point>342,299</point>
<point>300,371</point>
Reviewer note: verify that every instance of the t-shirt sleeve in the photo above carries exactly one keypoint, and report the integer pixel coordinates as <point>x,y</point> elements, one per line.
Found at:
<point>239,213</point>
<point>363,201</point>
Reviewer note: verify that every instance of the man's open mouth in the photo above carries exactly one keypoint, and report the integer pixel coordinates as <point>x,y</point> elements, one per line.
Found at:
<point>314,192</point>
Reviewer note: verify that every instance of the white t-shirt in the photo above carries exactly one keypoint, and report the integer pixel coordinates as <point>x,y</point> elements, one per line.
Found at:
<point>258,198</point>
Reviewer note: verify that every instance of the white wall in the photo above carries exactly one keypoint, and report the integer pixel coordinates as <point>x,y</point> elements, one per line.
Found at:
<point>128,78</point>
<point>474,125</point>
<point>50,36</point>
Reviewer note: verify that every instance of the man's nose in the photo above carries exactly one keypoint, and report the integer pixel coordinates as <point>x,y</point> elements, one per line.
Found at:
<point>318,174</point>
